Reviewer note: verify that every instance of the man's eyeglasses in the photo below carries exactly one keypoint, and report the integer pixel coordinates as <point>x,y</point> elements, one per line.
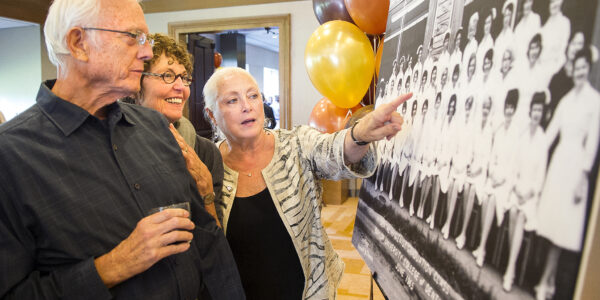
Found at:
<point>170,77</point>
<point>139,36</point>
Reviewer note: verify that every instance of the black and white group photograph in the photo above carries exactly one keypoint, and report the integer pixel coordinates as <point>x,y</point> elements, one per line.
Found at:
<point>486,192</point>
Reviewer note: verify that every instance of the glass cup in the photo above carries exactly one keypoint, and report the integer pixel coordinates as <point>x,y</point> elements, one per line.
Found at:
<point>182,205</point>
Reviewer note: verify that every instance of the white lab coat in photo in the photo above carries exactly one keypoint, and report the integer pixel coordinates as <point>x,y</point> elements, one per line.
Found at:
<point>487,43</point>
<point>504,40</point>
<point>470,49</point>
<point>460,141</point>
<point>481,149</point>
<point>530,171</point>
<point>555,37</point>
<point>576,119</point>
<point>445,150</point>
<point>455,59</point>
<point>527,27</point>
<point>501,167</point>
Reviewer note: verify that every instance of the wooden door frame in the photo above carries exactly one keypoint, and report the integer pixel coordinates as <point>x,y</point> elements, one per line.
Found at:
<point>179,30</point>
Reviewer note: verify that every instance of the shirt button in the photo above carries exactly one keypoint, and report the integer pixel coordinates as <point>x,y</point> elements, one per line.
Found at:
<point>137,186</point>
<point>115,147</point>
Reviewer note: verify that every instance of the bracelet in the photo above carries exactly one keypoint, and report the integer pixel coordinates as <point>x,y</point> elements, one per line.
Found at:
<point>209,198</point>
<point>360,143</point>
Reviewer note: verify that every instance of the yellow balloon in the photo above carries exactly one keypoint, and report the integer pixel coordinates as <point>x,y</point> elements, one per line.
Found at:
<point>340,62</point>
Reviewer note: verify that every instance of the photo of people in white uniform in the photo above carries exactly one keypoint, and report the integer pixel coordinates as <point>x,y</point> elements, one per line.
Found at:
<point>486,191</point>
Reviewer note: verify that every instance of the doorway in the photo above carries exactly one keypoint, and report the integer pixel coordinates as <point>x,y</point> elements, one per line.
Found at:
<point>181,32</point>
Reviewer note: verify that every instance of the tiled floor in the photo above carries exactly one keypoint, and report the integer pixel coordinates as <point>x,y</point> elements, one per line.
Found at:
<point>339,221</point>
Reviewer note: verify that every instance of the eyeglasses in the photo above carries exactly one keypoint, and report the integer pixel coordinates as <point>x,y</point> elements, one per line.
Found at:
<point>170,77</point>
<point>139,36</point>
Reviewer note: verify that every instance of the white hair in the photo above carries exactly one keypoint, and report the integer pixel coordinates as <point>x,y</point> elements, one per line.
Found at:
<point>62,16</point>
<point>211,92</point>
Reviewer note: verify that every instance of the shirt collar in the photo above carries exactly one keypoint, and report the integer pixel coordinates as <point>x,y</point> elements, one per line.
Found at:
<point>68,116</point>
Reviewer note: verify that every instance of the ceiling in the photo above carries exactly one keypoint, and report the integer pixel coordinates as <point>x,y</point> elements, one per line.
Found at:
<point>152,6</point>
<point>35,10</point>
<point>17,13</point>
<point>259,37</point>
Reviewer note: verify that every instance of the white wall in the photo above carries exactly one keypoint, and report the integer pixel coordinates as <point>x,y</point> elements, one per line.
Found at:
<point>303,22</point>
<point>21,68</point>
<point>259,58</point>
<point>48,69</point>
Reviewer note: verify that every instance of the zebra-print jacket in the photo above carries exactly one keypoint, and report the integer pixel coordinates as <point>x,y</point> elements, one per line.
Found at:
<point>301,158</point>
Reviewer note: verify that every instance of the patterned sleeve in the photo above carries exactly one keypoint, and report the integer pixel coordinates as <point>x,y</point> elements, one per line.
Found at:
<point>325,153</point>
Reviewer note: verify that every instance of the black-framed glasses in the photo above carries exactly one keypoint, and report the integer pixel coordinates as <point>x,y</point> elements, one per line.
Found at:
<point>170,77</point>
<point>139,36</point>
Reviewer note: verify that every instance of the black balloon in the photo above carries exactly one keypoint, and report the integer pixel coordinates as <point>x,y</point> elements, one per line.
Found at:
<point>330,10</point>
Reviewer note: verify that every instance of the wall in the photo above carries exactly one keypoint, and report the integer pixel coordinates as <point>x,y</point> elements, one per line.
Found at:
<point>259,58</point>
<point>303,22</point>
<point>48,69</point>
<point>21,68</point>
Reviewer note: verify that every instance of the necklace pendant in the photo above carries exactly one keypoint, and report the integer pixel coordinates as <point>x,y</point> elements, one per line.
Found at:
<point>249,174</point>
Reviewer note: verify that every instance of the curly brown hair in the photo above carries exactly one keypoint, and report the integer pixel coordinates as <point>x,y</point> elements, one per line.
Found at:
<point>168,46</point>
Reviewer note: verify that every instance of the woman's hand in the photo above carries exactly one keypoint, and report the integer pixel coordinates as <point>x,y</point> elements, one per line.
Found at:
<point>198,170</point>
<point>195,166</point>
<point>384,122</point>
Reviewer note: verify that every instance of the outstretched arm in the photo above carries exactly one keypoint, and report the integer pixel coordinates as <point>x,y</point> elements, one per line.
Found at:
<point>384,122</point>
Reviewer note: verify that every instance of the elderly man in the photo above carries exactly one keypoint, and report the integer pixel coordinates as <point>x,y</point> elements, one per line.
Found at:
<point>80,173</point>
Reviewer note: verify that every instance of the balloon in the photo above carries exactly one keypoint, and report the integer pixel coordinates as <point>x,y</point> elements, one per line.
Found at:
<point>370,15</point>
<point>369,97</point>
<point>328,118</point>
<point>218,59</point>
<point>330,10</point>
<point>378,58</point>
<point>340,62</point>
<point>359,114</point>
<point>357,107</point>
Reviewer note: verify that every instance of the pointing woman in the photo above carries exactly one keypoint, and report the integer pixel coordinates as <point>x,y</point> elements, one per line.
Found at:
<point>272,191</point>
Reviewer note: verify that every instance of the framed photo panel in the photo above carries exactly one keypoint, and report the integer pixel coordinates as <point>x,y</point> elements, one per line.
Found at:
<point>487,192</point>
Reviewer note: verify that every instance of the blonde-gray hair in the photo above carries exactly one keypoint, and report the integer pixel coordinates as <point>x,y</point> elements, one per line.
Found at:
<point>211,92</point>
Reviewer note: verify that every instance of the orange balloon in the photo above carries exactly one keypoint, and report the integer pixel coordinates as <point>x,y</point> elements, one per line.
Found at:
<point>218,59</point>
<point>378,58</point>
<point>369,15</point>
<point>328,118</point>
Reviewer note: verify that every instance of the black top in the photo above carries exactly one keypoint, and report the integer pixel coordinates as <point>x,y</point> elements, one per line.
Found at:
<point>270,116</point>
<point>71,189</point>
<point>263,249</point>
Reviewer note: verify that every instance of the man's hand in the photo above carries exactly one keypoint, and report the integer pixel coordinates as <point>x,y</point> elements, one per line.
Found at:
<point>155,237</point>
